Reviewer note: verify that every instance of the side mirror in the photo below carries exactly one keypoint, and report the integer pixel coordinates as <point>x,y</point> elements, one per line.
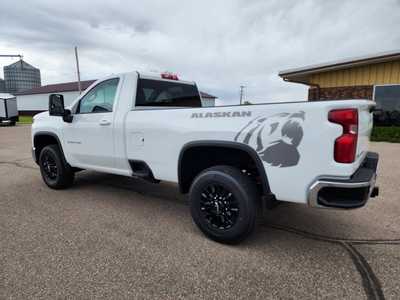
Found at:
<point>56,108</point>
<point>56,105</point>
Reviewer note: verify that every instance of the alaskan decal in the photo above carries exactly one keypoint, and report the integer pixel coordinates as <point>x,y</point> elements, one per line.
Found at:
<point>275,138</point>
<point>222,114</point>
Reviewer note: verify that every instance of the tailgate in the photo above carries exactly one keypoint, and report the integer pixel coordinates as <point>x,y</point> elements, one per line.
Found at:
<point>12,109</point>
<point>365,122</point>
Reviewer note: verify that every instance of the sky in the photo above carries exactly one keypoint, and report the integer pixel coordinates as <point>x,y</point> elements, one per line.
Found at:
<point>219,44</point>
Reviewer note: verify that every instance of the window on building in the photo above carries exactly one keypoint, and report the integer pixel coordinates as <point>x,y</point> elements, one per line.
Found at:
<point>387,98</point>
<point>167,93</point>
<point>208,102</point>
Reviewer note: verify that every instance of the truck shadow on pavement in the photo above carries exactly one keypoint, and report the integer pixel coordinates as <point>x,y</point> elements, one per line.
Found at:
<point>167,191</point>
<point>295,218</point>
<point>290,218</point>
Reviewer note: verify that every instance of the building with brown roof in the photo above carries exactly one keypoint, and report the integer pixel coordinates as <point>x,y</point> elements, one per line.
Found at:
<point>36,100</point>
<point>375,77</point>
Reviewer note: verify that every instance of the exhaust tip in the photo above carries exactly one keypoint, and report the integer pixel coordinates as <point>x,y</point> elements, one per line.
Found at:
<point>375,192</point>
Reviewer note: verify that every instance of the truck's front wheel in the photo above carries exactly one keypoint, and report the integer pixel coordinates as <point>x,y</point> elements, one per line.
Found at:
<point>223,204</point>
<point>56,173</point>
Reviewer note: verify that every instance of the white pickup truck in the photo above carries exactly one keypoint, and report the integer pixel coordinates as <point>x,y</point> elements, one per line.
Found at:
<point>232,160</point>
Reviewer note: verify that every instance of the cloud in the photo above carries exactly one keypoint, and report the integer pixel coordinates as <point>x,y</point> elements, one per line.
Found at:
<point>219,44</point>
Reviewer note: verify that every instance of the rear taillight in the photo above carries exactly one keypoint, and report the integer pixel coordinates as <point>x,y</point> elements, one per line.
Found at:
<point>346,144</point>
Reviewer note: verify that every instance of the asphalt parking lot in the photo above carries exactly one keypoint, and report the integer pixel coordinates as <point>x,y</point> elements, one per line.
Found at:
<point>116,237</point>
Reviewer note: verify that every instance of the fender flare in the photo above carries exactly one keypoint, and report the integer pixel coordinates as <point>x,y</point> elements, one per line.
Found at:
<point>47,133</point>
<point>226,144</point>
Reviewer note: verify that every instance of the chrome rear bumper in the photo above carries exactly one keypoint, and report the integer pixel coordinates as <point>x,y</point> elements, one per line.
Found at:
<point>346,194</point>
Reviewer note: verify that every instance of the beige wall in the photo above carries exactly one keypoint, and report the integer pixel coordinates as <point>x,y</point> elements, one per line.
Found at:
<point>381,73</point>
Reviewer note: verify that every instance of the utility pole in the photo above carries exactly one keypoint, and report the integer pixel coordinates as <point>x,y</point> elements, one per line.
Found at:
<point>242,87</point>
<point>77,70</point>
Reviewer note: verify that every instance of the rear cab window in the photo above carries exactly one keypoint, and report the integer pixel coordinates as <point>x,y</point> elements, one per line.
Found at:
<point>166,93</point>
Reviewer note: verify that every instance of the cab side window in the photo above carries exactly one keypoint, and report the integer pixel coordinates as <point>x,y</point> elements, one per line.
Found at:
<point>100,99</point>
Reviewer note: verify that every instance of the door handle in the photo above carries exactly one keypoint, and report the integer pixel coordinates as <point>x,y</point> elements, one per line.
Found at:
<point>105,123</point>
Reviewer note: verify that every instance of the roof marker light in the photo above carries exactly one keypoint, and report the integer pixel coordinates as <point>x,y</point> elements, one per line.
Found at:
<point>170,76</point>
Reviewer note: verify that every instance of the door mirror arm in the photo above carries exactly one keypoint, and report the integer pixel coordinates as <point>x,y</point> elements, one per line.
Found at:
<point>67,117</point>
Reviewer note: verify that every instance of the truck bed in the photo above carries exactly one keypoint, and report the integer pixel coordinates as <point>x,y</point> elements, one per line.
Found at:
<point>295,140</point>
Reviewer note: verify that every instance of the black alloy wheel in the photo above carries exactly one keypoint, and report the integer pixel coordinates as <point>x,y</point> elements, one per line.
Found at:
<point>223,204</point>
<point>219,207</point>
<point>49,167</point>
<point>56,172</point>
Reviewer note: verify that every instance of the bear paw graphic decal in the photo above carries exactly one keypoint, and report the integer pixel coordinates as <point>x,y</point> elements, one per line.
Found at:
<point>275,138</point>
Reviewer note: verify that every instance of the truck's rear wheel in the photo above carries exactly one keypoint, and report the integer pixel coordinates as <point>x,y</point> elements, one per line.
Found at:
<point>223,204</point>
<point>56,173</point>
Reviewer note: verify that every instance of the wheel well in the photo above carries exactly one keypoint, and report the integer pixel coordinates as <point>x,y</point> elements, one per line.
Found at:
<point>198,157</point>
<point>42,140</point>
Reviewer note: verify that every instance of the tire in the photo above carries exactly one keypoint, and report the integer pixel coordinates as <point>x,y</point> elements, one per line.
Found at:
<point>56,172</point>
<point>229,214</point>
<point>395,118</point>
